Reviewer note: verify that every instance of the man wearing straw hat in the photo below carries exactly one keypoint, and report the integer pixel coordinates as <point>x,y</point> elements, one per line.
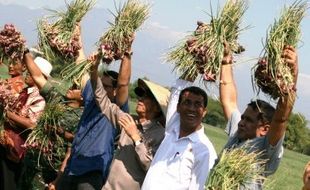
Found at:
<point>140,137</point>
<point>260,126</point>
<point>186,155</point>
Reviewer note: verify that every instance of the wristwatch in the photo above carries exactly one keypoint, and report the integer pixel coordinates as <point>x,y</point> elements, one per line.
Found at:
<point>26,50</point>
<point>128,54</point>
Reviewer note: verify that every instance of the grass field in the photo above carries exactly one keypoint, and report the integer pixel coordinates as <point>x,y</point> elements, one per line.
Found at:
<point>3,71</point>
<point>289,174</point>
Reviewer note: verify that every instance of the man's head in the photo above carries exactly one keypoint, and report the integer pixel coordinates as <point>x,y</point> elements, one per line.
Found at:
<point>152,99</point>
<point>192,107</point>
<point>109,82</point>
<point>16,67</point>
<point>44,66</point>
<point>256,119</point>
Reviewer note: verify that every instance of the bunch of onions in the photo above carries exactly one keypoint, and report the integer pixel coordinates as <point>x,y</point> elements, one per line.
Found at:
<point>74,73</point>
<point>235,169</point>
<point>12,43</point>
<point>44,138</point>
<point>271,74</point>
<point>117,40</point>
<point>202,51</point>
<point>60,40</point>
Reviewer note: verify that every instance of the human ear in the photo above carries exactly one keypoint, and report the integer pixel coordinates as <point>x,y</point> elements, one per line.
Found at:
<point>264,129</point>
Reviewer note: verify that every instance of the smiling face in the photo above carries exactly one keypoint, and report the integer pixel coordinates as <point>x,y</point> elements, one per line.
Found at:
<point>192,110</point>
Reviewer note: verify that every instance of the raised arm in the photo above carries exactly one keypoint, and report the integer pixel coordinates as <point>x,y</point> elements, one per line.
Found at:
<point>286,102</point>
<point>34,71</point>
<point>81,57</point>
<point>228,89</point>
<point>22,122</point>
<point>110,110</point>
<point>124,77</point>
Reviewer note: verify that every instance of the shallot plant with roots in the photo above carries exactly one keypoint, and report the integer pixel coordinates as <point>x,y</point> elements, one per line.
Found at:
<point>59,39</point>
<point>235,169</point>
<point>128,19</point>
<point>202,51</point>
<point>44,138</point>
<point>271,74</point>
<point>12,44</point>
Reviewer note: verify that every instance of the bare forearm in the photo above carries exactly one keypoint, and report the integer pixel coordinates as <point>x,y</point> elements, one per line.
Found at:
<point>34,71</point>
<point>94,72</point>
<point>123,80</point>
<point>20,121</point>
<point>228,90</point>
<point>280,119</point>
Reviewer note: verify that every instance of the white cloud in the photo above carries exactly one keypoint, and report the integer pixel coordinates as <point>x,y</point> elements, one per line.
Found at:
<point>303,85</point>
<point>158,31</point>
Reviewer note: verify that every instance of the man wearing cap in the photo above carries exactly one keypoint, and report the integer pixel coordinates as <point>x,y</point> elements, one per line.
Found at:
<point>21,116</point>
<point>140,135</point>
<point>186,155</point>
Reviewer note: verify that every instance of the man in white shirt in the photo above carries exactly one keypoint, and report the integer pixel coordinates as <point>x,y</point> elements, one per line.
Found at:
<point>186,155</point>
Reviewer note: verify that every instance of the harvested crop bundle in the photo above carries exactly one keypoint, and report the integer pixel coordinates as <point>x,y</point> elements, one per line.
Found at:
<point>235,169</point>
<point>117,40</point>
<point>271,74</point>
<point>75,72</point>
<point>45,139</point>
<point>60,40</point>
<point>12,43</point>
<point>202,51</point>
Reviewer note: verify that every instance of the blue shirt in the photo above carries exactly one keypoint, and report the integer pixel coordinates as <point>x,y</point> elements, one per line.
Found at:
<point>93,144</point>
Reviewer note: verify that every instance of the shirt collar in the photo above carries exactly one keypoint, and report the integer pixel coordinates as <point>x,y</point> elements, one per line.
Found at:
<point>194,137</point>
<point>31,90</point>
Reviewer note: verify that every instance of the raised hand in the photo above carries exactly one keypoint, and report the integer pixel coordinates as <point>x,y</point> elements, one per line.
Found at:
<point>130,127</point>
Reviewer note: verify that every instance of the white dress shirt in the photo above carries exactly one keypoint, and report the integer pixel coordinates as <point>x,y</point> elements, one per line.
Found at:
<point>180,163</point>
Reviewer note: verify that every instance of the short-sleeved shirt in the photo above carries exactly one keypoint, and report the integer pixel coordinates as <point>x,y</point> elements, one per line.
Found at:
<point>93,144</point>
<point>272,154</point>
<point>51,93</point>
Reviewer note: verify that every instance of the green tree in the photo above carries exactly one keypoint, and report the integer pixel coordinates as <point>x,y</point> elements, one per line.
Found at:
<point>215,115</point>
<point>297,135</point>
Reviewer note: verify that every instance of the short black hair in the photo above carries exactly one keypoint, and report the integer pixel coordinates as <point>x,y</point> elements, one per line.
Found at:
<point>197,91</point>
<point>113,76</point>
<point>266,111</point>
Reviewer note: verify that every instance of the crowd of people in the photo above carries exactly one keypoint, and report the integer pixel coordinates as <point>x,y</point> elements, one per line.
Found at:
<point>162,146</point>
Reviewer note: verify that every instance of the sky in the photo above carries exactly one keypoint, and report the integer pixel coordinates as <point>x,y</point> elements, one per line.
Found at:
<point>171,20</point>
